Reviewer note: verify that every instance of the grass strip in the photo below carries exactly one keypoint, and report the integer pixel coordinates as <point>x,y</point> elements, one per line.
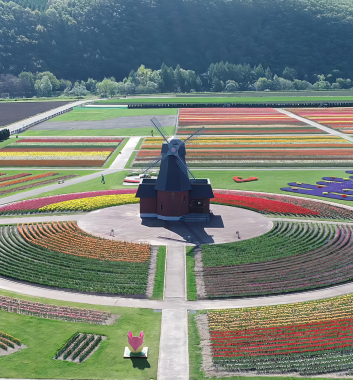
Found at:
<point>158,289</point>
<point>95,114</point>
<point>230,99</point>
<point>191,292</point>
<point>131,159</point>
<point>138,146</point>
<point>143,131</point>
<point>116,153</point>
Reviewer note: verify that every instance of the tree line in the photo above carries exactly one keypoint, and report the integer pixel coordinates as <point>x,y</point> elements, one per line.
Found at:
<point>219,77</point>
<point>80,39</point>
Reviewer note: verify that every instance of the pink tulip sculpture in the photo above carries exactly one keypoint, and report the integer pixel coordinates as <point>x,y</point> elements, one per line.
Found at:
<point>135,343</point>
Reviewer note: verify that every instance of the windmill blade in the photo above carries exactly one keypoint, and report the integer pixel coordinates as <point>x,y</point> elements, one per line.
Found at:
<point>154,163</point>
<point>184,168</point>
<point>192,136</point>
<point>159,128</point>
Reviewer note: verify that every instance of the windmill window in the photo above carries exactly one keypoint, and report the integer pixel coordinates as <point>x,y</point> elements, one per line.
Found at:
<point>161,207</point>
<point>173,195</point>
<point>184,198</point>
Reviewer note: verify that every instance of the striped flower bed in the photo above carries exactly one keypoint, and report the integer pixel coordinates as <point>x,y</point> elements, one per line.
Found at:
<point>310,338</point>
<point>241,121</point>
<point>340,118</point>
<point>58,152</point>
<point>256,150</point>
<point>40,204</point>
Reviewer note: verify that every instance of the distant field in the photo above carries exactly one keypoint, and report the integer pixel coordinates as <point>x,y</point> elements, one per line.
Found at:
<point>92,114</point>
<point>17,111</point>
<point>145,131</point>
<point>232,99</point>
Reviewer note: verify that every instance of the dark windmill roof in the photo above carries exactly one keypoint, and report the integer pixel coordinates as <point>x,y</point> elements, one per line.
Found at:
<point>146,189</point>
<point>171,177</point>
<point>201,189</point>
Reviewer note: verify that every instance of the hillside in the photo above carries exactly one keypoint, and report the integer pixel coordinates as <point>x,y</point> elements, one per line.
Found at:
<point>97,38</point>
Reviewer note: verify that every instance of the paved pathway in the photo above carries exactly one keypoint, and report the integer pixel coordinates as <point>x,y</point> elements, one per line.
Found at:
<point>122,159</point>
<point>315,124</point>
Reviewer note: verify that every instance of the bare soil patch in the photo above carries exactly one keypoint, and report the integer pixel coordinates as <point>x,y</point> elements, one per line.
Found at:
<point>14,112</point>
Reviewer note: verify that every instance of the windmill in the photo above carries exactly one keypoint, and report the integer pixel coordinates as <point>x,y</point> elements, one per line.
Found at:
<point>176,192</point>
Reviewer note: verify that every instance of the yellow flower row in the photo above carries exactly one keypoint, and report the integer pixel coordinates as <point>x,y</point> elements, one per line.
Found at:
<point>92,203</point>
<point>280,315</point>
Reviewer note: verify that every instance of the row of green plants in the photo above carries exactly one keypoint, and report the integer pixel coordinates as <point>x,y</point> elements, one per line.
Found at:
<point>285,239</point>
<point>7,340</point>
<point>90,348</point>
<point>27,262</point>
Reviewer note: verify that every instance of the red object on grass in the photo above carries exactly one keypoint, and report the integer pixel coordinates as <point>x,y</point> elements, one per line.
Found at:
<point>132,180</point>
<point>240,179</point>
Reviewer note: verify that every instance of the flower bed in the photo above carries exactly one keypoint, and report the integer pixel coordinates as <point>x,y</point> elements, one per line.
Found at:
<point>308,338</point>
<point>240,121</point>
<point>40,183</point>
<point>67,237</point>
<point>308,207</point>
<point>44,266</point>
<point>63,313</point>
<point>58,152</point>
<point>27,179</point>
<point>291,257</point>
<point>78,347</point>
<point>91,203</point>
<point>330,187</point>
<point>8,341</point>
<point>34,205</point>
<point>339,118</point>
<point>14,177</point>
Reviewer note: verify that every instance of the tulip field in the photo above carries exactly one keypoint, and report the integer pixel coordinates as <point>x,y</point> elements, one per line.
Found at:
<point>291,257</point>
<point>62,202</point>
<point>241,151</point>
<point>310,338</point>
<point>338,118</point>
<point>58,152</point>
<point>8,341</point>
<point>63,313</point>
<point>281,205</point>
<point>241,121</point>
<point>63,256</point>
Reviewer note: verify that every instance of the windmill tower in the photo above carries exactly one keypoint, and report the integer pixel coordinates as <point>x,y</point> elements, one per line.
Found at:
<point>175,193</point>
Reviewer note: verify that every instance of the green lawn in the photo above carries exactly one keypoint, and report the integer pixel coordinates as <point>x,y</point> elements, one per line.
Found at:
<point>190,275</point>
<point>37,172</point>
<point>144,131</point>
<point>90,114</point>
<point>158,288</point>
<point>269,181</point>
<point>112,181</point>
<point>231,99</point>
<point>43,337</point>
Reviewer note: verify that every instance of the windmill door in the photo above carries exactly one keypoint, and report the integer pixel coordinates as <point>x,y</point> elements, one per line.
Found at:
<point>196,206</point>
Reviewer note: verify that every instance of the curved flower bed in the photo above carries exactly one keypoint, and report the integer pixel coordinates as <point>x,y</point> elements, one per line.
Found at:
<point>283,204</point>
<point>71,266</point>
<point>34,205</point>
<point>91,203</point>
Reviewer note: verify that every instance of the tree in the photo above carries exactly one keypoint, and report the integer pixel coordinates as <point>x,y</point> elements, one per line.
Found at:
<point>78,90</point>
<point>55,83</point>
<point>43,87</point>
<point>231,86</point>
<point>107,87</point>
<point>289,74</point>
<point>217,85</point>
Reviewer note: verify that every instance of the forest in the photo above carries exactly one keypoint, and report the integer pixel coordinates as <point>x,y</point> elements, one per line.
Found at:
<point>81,39</point>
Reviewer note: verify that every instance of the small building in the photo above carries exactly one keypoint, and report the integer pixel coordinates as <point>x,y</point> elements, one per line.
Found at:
<point>173,194</point>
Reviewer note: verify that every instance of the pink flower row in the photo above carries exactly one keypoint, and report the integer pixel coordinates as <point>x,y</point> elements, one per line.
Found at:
<point>35,204</point>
